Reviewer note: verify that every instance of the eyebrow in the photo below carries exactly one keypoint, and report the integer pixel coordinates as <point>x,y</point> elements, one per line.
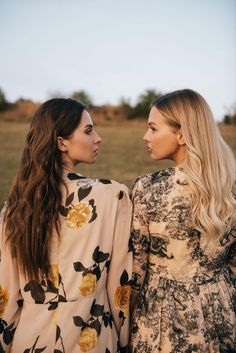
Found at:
<point>152,123</point>
<point>89,125</point>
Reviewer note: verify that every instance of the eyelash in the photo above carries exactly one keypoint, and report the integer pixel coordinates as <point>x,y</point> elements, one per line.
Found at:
<point>152,128</point>
<point>88,132</point>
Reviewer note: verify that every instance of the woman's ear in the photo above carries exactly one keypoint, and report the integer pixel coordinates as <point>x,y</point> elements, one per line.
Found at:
<point>61,144</point>
<point>180,138</point>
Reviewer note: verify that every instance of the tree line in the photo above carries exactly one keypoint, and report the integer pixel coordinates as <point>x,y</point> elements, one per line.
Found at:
<point>132,111</point>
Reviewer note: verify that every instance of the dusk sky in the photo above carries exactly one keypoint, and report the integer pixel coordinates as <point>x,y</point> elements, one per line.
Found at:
<point>113,49</point>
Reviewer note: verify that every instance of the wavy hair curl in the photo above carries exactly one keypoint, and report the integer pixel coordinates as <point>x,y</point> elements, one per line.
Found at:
<point>209,163</point>
<point>32,208</point>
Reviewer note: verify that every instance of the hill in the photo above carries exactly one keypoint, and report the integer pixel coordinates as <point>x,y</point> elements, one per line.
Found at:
<point>23,111</point>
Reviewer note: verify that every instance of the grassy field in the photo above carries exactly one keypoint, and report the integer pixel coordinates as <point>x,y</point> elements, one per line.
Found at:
<point>123,154</point>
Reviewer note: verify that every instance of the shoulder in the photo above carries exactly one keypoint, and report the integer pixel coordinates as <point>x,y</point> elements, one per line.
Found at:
<point>112,187</point>
<point>150,179</point>
<point>79,180</point>
<point>103,185</point>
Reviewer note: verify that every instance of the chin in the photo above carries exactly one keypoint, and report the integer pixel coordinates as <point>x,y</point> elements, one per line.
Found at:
<point>91,161</point>
<point>154,158</point>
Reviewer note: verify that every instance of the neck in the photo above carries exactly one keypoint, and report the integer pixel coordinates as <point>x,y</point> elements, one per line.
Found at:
<point>69,168</point>
<point>180,155</point>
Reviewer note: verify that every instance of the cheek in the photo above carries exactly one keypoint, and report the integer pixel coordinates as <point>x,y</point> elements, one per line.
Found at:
<point>88,146</point>
<point>157,139</point>
<point>164,142</point>
<point>77,149</point>
<point>84,143</point>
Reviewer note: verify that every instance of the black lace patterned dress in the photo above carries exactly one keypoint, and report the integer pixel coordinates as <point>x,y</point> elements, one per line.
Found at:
<point>187,294</point>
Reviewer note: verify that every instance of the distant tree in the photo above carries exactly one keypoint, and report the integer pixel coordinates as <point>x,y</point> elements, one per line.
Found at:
<point>3,102</point>
<point>126,107</point>
<point>21,100</point>
<point>233,114</point>
<point>227,119</point>
<point>144,102</point>
<point>55,94</point>
<point>233,119</point>
<point>83,97</point>
<point>230,117</point>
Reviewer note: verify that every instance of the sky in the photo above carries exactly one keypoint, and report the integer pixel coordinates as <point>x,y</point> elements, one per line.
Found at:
<point>118,48</point>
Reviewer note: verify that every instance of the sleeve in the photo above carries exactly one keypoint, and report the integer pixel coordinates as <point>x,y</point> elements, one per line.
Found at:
<point>232,256</point>
<point>120,269</point>
<point>10,295</point>
<point>140,239</point>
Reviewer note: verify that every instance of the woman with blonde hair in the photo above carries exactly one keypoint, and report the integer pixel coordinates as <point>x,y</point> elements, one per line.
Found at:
<point>184,234</point>
<point>65,260</point>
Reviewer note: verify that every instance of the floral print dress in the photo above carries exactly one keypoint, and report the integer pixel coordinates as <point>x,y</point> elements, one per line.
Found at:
<point>183,288</point>
<point>84,305</point>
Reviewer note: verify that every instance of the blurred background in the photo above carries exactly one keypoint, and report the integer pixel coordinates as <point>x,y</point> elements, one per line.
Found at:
<point>115,56</point>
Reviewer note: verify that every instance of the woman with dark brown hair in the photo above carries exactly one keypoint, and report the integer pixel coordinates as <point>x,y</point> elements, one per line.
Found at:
<point>65,260</point>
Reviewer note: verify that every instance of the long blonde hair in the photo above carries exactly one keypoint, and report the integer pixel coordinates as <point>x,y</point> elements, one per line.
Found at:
<point>209,163</point>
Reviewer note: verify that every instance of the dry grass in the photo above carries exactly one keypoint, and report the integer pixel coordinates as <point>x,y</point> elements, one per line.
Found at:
<point>123,154</point>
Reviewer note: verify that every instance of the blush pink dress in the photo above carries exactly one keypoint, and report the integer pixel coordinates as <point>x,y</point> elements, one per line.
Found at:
<point>84,305</point>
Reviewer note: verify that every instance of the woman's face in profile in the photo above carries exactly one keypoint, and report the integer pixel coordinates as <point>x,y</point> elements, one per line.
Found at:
<point>161,138</point>
<point>82,145</point>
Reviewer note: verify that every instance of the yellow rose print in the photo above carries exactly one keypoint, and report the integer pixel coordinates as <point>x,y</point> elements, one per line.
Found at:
<point>88,285</point>
<point>4,296</point>
<point>88,339</point>
<point>79,215</point>
<point>122,298</point>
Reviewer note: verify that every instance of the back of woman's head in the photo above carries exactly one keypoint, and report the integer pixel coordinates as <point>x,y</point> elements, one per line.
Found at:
<point>209,162</point>
<point>34,201</point>
<point>56,117</point>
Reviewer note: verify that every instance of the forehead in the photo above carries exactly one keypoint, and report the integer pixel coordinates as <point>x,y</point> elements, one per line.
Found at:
<point>156,117</point>
<point>85,119</point>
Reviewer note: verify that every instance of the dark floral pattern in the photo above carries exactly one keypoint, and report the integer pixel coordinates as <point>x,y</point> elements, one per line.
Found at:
<point>59,340</point>
<point>183,289</point>
<point>47,291</point>
<point>90,330</point>
<point>82,212</point>
<point>7,332</point>
<point>35,348</point>
<point>122,296</point>
<point>92,274</point>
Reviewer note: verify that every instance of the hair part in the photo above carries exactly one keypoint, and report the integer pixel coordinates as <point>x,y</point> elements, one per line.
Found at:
<point>32,211</point>
<point>209,163</point>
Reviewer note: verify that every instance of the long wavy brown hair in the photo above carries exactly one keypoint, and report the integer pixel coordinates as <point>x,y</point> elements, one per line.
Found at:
<point>33,203</point>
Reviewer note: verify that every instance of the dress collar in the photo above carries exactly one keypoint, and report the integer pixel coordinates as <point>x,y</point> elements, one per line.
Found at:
<point>70,174</point>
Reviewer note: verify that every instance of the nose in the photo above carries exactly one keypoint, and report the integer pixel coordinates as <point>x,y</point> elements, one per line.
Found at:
<point>145,137</point>
<point>97,138</point>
